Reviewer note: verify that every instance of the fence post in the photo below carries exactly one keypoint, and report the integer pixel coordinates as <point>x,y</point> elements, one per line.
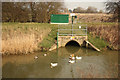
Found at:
<point>86,30</point>
<point>57,39</point>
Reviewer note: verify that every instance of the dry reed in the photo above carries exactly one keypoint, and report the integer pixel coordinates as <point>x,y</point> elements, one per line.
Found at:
<point>19,44</point>
<point>106,32</point>
<point>93,17</point>
<point>22,38</point>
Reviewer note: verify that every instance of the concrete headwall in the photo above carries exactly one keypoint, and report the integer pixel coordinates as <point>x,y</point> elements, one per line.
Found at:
<point>63,40</point>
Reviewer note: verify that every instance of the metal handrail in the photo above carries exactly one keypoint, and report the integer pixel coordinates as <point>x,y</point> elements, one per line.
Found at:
<point>72,29</point>
<point>79,31</point>
<point>71,33</point>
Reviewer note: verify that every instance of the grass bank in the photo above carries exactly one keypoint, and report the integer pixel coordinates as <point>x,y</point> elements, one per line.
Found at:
<point>107,32</point>
<point>19,38</point>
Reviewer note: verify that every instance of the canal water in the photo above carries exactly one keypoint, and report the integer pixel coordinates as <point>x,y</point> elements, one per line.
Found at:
<point>92,65</point>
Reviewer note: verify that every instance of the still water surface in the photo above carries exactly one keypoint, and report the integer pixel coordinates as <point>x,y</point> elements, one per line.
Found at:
<point>92,65</point>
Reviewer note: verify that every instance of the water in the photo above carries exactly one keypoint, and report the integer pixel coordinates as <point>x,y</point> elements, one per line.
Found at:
<point>92,65</point>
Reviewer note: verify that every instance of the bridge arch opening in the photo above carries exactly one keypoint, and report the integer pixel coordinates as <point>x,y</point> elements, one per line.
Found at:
<point>72,43</point>
<point>72,46</point>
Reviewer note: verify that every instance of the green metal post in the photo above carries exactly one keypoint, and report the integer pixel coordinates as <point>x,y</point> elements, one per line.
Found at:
<point>57,39</point>
<point>72,25</point>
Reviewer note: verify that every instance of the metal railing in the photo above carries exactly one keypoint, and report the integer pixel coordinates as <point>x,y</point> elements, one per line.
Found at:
<point>68,30</point>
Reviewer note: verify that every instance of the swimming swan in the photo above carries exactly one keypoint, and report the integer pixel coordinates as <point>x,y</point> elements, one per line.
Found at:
<point>72,56</point>
<point>45,54</point>
<point>72,61</point>
<point>35,57</point>
<point>53,64</point>
<point>78,57</point>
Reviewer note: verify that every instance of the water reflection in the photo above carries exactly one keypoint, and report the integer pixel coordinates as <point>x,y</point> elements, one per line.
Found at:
<point>73,50</point>
<point>92,64</point>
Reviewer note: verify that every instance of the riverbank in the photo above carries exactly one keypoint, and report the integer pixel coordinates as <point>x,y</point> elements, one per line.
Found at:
<point>106,31</point>
<point>19,38</point>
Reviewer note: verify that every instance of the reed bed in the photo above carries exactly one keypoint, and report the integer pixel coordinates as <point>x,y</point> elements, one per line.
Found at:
<point>21,38</point>
<point>108,33</point>
<point>20,44</point>
<point>93,17</point>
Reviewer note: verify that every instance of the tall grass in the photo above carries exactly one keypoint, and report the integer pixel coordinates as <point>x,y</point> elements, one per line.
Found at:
<point>107,32</point>
<point>19,38</point>
<point>20,44</point>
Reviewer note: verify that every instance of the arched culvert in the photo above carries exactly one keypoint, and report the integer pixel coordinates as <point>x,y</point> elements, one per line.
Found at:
<point>72,47</point>
<point>72,43</point>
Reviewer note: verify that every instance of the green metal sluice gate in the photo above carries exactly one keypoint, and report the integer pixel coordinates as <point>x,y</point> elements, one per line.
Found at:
<point>59,19</point>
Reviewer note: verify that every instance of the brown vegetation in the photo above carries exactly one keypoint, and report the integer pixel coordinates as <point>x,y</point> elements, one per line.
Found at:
<point>22,38</point>
<point>106,32</point>
<point>19,44</point>
<point>29,11</point>
<point>93,17</point>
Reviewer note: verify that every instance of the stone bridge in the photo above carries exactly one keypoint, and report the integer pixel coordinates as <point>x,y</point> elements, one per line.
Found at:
<point>79,35</point>
<point>63,40</point>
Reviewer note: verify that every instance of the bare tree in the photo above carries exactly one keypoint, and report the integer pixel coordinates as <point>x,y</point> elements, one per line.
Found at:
<point>7,11</point>
<point>43,10</point>
<point>78,10</point>
<point>15,12</point>
<point>29,11</point>
<point>91,9</point>
<point>100,11</point>
<point>114,8</point>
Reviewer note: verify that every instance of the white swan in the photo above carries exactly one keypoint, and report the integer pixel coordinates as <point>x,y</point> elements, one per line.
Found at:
<point>72,61</point>
<point>53,64</point>
<point>73,58</point>
<point>45,54</point>
<point>35,57</point>
<point>79,27</point>
<point>78,57</point>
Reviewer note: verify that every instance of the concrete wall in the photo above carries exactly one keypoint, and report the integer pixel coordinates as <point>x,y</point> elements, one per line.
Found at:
<point>63,40</point>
